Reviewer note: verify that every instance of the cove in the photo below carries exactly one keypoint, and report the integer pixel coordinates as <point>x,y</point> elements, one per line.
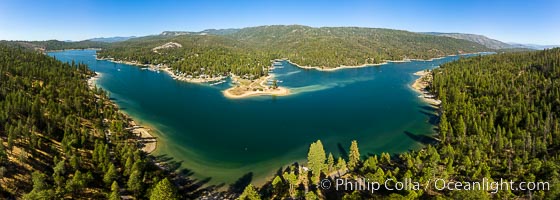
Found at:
<point>221,140</point>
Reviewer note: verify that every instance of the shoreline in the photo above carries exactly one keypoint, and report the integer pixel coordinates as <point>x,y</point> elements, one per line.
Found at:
<point>96,49</point>
<point>264,90</point>
<point>330,69</point>
<point>421,83</point>
<point>280,91</point>
<point>148,141</point>
<point>167,70</point>
<point>92,81</point>
<point>249,91</point>
<point>186,79</point>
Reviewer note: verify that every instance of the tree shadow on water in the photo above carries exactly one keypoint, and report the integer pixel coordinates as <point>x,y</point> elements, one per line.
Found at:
<point>429,108</point>
<point>424,139</point>
<point>239,185</point>
<point>430,112</point>
<point>342,151</point>
<point>188,186</point>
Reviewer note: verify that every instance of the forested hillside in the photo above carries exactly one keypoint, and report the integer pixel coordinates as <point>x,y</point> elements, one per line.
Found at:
<point>53,45</point>
<point>499,119</point>
<point>335,46</point>
<point>200,54</point>
<point>248,50</point>
<point>60,139</point>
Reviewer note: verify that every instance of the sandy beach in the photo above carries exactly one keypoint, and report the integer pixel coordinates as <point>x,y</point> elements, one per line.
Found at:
<point>148,141</point>
<point>247,88</point>
<point>92,80</point>
<point>420,85</point>
<point>280,91</point>
<point>330,69</point>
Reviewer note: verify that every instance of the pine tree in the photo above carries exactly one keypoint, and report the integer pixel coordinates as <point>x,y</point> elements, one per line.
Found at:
<point>316,159</point>
<point>330,163</point>
<point>341,164</point>
<point>111,175</point>
<point>311,196</point>
<point>354,156</point>
<point>40,187</point>
<point>250,193</point>
<point>292,181</point>
<point>164,190</point>
<point>277,184</point>
<point>3,154</point>
<point>135,183</point>
<point>115,191</point>
<point>58,175</point>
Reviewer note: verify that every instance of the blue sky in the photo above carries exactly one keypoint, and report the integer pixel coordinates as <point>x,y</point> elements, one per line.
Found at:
<point>508,20</point>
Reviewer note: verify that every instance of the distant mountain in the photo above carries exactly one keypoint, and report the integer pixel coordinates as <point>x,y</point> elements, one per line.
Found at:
<point>533,46</point>
<point>480,39</point>
<point>111,39</point>
<point>175,33</point>
<point>204,32</point>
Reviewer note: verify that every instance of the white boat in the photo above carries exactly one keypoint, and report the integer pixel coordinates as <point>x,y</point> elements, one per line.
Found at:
<point>217,83</point>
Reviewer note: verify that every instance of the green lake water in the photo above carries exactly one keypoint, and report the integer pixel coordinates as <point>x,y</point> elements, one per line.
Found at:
<point>220,139</point>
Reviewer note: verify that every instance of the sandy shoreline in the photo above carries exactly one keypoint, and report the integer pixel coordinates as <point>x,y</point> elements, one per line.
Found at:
<point>420,85</point>
<point>330,69</point>
<point>254,88</point>
<point>280,91</point>
<point>148,141</point>
<point>93,80</point>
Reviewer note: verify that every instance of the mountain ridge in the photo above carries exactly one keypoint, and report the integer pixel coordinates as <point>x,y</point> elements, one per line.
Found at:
<point>246,51</point>
<point>480,39</point>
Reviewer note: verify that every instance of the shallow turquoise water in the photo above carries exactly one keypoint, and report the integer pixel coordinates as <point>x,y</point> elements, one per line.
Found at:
<point>224,139</point>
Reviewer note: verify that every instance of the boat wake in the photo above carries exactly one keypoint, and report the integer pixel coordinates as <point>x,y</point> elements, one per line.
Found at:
<point>326,86</point>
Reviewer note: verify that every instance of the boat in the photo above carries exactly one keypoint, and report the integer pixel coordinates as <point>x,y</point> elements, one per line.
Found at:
<point>217,83</point>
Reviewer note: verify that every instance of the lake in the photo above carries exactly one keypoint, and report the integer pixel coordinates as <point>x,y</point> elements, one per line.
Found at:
<point>220,139</point>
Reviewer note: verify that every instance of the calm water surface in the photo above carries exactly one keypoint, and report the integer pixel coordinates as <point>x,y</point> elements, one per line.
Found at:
<point>224,139</point>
